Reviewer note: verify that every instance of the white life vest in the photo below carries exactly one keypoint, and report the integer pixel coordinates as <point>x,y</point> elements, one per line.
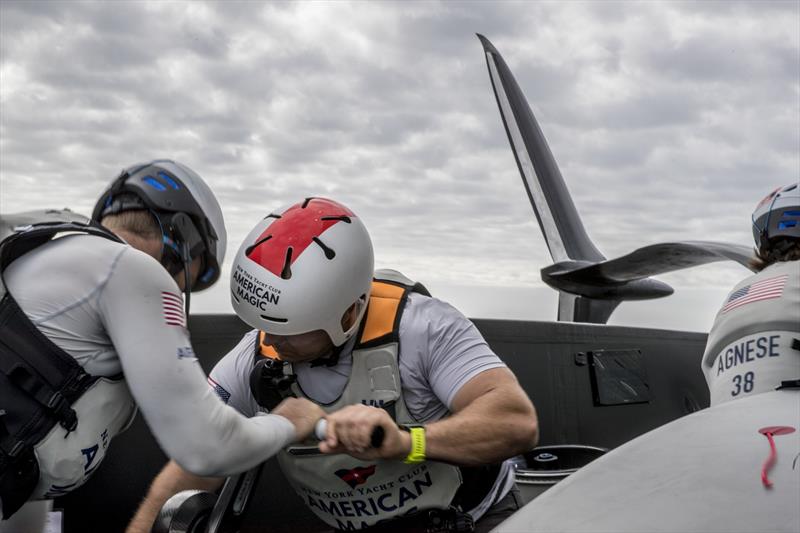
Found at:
<point>348,493</point>
<point>754,344</point>
<point>56,420</point>
<point>105,410</point>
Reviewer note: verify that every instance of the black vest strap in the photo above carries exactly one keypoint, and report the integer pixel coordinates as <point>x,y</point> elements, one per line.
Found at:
<point>38,380</point>
<point>25,240</point>
<point>31,362</point>
<point>38,383</point>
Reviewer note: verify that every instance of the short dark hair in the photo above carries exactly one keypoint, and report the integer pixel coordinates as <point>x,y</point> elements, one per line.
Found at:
<point>140,222</point>
<point>778,249</point>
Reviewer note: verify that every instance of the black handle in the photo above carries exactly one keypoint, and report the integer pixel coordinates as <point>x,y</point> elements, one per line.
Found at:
<point>376,439</point>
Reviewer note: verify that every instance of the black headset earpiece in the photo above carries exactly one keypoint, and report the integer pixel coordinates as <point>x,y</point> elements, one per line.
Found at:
<point>185,233</point>
<point>189,244</point>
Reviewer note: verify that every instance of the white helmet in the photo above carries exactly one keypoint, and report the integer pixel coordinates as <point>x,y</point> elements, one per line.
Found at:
<point>777,215</point>
<point>300,270</point>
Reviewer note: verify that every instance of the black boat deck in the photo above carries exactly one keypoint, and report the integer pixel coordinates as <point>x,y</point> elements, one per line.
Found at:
<point>563,367</point>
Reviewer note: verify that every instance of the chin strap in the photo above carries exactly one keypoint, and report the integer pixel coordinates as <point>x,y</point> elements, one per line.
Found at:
<point>187,289</point>
<point>331,359</point>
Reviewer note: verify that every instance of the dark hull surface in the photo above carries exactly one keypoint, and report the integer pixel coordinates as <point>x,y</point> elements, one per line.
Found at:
<point>569,371</point>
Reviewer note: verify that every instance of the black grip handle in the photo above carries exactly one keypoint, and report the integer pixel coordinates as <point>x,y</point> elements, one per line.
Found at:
<point>376,439</point>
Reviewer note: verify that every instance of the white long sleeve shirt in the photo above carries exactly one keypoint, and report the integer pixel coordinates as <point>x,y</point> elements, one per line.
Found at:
<point>116,310</point>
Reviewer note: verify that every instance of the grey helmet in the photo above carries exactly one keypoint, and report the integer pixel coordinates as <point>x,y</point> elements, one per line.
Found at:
<point>190,217</point>
<point>777,215</point>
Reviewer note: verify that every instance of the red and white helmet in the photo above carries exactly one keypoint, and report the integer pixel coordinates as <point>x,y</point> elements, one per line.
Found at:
<point>299,270</point>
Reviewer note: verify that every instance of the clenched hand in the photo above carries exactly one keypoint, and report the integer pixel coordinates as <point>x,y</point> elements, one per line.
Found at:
<point>302,413</point>
<point>350,431</point>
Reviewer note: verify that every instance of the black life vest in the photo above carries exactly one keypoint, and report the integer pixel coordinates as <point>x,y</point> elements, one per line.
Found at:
<point>39,381</point>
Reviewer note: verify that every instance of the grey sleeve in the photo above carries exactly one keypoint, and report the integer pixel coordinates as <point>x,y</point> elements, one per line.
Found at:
<point>441,349</point>
<point>144,320</point>
<point>230,377</point>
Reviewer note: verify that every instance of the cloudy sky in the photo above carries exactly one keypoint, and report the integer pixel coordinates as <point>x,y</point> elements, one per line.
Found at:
<point>669,120</point>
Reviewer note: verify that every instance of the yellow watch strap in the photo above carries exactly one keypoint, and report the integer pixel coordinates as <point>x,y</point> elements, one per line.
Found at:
<point>417,454</point>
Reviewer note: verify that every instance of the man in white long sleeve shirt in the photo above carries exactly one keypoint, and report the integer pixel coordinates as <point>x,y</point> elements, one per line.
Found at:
<point>754,345</point>
<point>97,302</point>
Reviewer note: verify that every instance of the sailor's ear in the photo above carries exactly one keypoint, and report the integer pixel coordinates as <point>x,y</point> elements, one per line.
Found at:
<point>349,316</point>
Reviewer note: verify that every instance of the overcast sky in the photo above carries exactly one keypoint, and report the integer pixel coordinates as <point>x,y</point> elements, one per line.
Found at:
<point>669,120</point>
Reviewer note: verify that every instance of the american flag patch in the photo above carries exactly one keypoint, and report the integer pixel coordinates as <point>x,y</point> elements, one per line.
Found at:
<point>755,292</point>
<point>222,393</point>
<point>173,309</point>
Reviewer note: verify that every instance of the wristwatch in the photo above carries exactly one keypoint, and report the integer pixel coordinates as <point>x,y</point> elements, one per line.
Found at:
<point>417,453</point>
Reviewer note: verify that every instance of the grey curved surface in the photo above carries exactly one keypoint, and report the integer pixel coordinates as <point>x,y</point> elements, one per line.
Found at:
<point>659,259</point>
<point>36,215</point>
<point>612,280</point>
<point>574,308</point>
<point>559,220</point>
<point>182,512</point>
<point>700,473</point>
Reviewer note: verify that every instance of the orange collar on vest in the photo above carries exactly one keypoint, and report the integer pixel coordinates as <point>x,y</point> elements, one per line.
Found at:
<point>266,350</point>
<point>379,320</point>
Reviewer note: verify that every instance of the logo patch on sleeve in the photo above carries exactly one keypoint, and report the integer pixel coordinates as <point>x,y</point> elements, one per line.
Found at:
<point>755,292</point>
<point>186,352</point>
<point>221,392</point>
<point>173,309</point>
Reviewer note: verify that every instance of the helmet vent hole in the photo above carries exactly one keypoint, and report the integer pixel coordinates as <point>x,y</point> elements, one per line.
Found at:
<point>249,249</point>
<point>329,253</point>
<point>343,218</point>
<point>273,319</point>
<point>306,202</point>
<point>286,273</point>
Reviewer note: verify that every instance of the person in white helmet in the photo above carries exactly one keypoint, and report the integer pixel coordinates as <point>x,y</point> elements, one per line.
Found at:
<point>375,351</point>
<point>92,324</point>
<point>754,344</point>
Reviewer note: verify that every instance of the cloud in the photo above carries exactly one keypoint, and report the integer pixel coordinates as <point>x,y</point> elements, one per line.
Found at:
<point>669,120</point>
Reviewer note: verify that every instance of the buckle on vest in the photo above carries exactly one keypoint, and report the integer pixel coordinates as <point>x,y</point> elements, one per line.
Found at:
<point>789,384</point>
<point>67,417</point>
<point>13,452</point>
<point>268,383</point>
<point>6,439</point>
<point>449,520</point>
<point>16,449</point>
<point>430,521</point>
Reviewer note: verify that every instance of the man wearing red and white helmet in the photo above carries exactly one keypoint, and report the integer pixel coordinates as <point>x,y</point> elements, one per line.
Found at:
<point>754,344</point>
<point>304,278</point>
<point>375,351</point>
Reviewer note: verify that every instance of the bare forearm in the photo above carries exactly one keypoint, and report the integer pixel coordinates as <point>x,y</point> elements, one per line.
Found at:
<point>170,481</point>
<point>494,427</point>
<point>493,419</point>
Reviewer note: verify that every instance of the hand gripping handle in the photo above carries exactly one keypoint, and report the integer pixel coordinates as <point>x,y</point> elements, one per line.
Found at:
<point>376,439</point>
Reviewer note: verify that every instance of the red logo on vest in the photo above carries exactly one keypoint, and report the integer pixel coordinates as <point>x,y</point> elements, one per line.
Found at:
<point>356,476</point>
<point>296,229</point>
